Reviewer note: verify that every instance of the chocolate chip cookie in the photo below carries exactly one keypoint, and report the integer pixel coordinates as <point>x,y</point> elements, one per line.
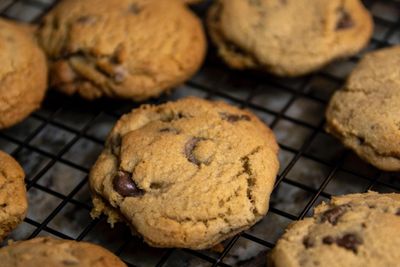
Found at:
<point>13,200</point>
<point>51,252</point>
<point>365,114</point>
<point>133,49</point>
<point>288,37</point>
<point>357,230</point>
<point>189,173</point>
<point>23,73</point>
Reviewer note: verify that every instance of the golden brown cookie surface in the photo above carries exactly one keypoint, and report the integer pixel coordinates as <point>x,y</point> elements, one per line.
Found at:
<point>13,199</point>
<point>357,230</point>
<point>23,73</point>
<point>51,252</point>
<point>132,49</point>
<point>365,113</point>
<point>189,173</point>
<point>290,37</point>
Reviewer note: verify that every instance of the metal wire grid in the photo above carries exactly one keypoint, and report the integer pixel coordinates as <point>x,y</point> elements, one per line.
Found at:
<point>57,145</point>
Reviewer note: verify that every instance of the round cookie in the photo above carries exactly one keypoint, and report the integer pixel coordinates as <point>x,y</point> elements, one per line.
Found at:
<point>23,73</point>
<point>133,49</point>
<point>51,252</point>
<point>365,114</point>
<point>288,37</point>
<point>357,230</point>
<point>189,173</point>
<point>13,199</point>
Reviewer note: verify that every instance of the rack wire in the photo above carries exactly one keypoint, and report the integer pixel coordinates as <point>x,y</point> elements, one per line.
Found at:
<point>58,144</point>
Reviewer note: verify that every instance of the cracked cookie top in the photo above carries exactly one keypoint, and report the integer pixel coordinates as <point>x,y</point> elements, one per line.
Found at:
<point>357,230</point>
<point>51,252</point>
<point>188,173</point>
<point>23,73</point>
<point>365,113</point>
<point>13,199</point>
<point>133,49</point>
<point>288,37</point>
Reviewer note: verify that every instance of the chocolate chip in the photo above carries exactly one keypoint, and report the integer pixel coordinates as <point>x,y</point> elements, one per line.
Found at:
<point>119,74</point>
<point>86,20</point>
<point>135,9</point>
<point>328,240</point>
<point>189,147</point>
<point>333,215</point>
<point>360,140</point>
<point>398,212</point>
<point>349,241</point>
<point>169,130</point>
<point>234,117</point>
<point>235,49</point>
<point>125,186</point>
<point>70,262</point>
<point>345,20</point>
<point>119,77</point>
<point>172,117</point>
<point>120,55</point>
<point>308,243</point>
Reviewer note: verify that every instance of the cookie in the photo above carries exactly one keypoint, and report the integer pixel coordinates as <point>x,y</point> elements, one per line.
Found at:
<point>365,114</point>
<point>357,230</point>
<point>189,173</point>
<point>23,73</point>
<point>132,49</point>
<point>51,252</point>
<point>13,199</point>
<point>288,37</point>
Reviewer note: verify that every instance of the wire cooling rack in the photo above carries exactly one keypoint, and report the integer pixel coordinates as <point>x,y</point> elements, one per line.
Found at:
<point>58,144</point>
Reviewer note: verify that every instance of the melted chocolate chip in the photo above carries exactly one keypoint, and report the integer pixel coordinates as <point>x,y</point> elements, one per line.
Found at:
<point>333,215</point>
<point>173,117</point>
<point>70,262</point>
<point>236,49</point>
<point>169,130</point>
<point>360,140</point>
<point>234,117</point>
<point>345,20</point>
<point>86,19</point>
<point>398,212</point>
<point>135,9</point>
<point>119,74</point>
<point>308,243</point>
<point>189,147</point>
<point>328,240</point>
<point>125,186</point>
<point>349,241</point>
<point>119,77</point>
